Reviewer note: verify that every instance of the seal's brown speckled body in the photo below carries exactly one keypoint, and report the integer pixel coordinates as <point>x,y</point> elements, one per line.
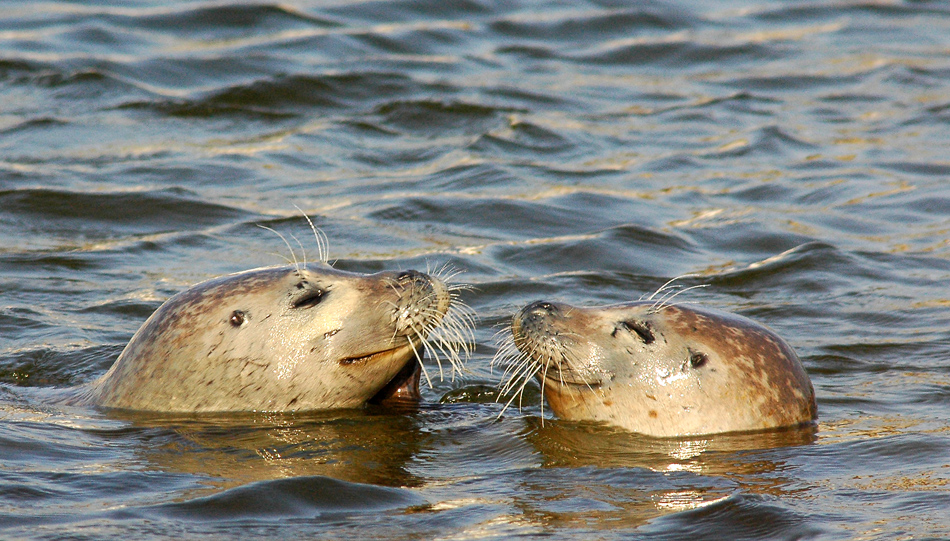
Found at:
<point>664,372</point>
<point>276,339</point>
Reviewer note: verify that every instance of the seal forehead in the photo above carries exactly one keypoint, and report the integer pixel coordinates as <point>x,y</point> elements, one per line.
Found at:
<point>219,291</point>
<point>256,282</point>
<point>234,285</point>
<point>754,357</point>
<point>732,336</point>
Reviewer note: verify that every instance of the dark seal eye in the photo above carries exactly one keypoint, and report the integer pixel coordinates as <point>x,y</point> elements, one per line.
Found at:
<point>310,298</point>
<point>642,330</point>
<point>697,359</point>
<point>237,318</point>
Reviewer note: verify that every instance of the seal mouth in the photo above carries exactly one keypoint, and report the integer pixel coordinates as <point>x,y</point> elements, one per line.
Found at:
<point>372,357</point>
<point>567,379</point>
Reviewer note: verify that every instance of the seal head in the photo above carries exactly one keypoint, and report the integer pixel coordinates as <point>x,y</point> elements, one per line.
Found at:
<point>276,339</point>
<point>665,372</point>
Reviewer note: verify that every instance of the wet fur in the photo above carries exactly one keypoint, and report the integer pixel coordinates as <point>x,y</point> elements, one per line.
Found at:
<point>656,368</point>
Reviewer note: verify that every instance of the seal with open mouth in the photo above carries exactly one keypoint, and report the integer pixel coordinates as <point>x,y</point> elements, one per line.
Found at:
<point>660,370</point>
<point>289,338</point>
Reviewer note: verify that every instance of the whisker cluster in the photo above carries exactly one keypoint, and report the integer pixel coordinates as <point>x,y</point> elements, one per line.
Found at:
<point>323,242</point>
<point>448,337</point>
<point>538,355</point>
<point>520,367</point>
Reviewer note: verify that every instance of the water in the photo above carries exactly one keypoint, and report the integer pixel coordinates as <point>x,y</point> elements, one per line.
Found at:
<point>793,155</point>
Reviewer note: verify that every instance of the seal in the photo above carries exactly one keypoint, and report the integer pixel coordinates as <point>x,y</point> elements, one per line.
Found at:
<point>658,369</point>
<point>288,338</point>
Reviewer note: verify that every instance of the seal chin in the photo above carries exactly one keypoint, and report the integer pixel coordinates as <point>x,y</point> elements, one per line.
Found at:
<point>403,389</point>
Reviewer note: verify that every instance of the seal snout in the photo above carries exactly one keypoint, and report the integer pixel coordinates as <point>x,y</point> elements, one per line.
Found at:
<point>423,302</point>
<point>535,316</point>
<point>541,333</point>
<point>538,309</point>
<point>429,314</point>
<point>412,277</point>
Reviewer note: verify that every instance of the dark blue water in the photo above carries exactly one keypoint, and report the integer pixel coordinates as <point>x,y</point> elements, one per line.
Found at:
<point>794,155</point>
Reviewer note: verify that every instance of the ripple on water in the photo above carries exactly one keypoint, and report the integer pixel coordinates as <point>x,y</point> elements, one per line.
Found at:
<point>297,497</point>
<point>791,155</point>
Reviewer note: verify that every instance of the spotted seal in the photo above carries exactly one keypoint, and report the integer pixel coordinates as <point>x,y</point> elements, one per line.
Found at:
<point>660,370</point>
<point>288,338</point>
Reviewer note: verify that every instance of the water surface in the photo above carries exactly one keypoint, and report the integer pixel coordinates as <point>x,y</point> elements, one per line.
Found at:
<point>791,155</point>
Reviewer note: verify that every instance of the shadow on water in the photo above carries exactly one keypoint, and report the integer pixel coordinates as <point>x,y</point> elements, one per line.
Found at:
<point>410,462</point>
<point>742,457</point>
<point>367,446</point>
<point>639,478</point>
<point>565,476</point>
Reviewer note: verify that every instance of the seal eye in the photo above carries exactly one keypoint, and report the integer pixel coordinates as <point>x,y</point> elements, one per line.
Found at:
<point>237,318</point>
<point>697,360</point>
<point>309,299</point>
<point>642,329</point>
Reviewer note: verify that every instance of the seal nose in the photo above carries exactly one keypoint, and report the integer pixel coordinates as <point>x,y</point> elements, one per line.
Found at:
<point>412,277</point>
<point>539,308</point>
<point>423,301</point>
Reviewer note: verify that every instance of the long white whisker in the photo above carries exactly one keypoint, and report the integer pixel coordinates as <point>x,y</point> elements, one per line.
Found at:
<point>302,249</point>
<point>667,284</point>
<point>323,242</point>
<point>421,364</point>
<point>666,300</point>
<point>292,254</point>
<point>519,394</point>
<point>429,349</point>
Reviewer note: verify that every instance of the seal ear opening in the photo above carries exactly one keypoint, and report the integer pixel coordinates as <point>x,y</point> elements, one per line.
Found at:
<point>238,317</point>
<point>697,359</point>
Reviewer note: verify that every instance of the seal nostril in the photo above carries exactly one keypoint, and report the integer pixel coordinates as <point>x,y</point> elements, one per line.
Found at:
<point>413,279</point>
<point>309,299</point>
<point>642,330</point>
<point>409,276</point>
<point>540,307</point>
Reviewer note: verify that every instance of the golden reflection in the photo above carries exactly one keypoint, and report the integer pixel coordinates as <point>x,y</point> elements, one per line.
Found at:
<point>922,481</point>
<point>868,426</point>
<point>610,478</point>
<point>688,449</point>
<point>732,456</point>
<point>739,143</point>
<point>363,446</point>
<point>684,500</point>
<point>901,186</point>
<point>858,141</point>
